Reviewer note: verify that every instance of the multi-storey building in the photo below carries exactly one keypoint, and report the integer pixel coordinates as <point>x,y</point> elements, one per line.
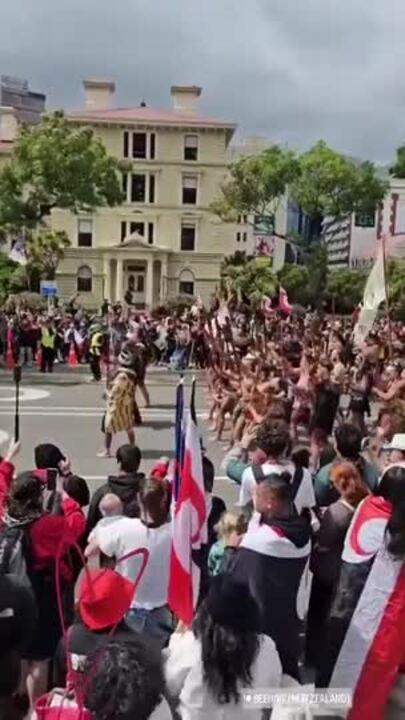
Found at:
<point>15,93</point>
<point>163,241</point>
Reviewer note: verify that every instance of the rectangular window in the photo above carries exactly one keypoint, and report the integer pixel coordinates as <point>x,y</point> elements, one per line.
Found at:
<point>126,144</point>
<point>189,196</point>
<point>123,230</point>
<point>84,233</point>
<point>152,184</point>
<point>140,283</point>
<point>139,145</point>
<point>152,146</point>
<point>186,287</point>
<point>244,237</point>
<point>187,238</point>
<point>125,185</point>
<point>137,227</point>
<point>150,233</point>
<point>138,188</point>
<point>84,285</point>
<point>191,147</point>
<point>238,237</point>
<point>365,220</point>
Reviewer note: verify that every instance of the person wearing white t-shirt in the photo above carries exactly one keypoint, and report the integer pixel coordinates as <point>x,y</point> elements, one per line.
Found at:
<point>273,439</point>
<point>149,613</point>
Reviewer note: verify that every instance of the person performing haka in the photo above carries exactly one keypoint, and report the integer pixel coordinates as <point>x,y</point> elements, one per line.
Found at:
<point>122,412</point>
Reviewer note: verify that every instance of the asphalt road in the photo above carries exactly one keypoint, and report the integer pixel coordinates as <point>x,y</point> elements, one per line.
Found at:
<point>66,409</point>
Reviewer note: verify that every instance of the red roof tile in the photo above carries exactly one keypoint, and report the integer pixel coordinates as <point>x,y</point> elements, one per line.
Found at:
<point>148,115</point>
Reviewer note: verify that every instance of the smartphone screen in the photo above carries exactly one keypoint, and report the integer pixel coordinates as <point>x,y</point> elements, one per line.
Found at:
<point>52,475</point>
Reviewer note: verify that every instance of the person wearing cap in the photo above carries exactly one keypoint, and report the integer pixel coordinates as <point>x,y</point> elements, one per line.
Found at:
<point>104,599</point>
<point>207,666</point>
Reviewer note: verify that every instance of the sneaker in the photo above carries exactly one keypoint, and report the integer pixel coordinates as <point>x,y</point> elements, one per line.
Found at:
<point>104,454</point>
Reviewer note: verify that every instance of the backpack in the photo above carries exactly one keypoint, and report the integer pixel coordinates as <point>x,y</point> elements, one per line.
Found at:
<point>14,552</point>
<point>259,476</point>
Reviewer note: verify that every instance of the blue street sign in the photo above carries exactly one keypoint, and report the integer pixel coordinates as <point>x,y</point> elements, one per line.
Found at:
<point>49,288</point>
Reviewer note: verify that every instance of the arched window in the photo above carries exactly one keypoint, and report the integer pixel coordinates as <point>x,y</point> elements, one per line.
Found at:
<point>84,279</point>
<point>186,283</point>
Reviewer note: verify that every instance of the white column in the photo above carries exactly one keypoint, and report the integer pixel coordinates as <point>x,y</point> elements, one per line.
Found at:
<point>149,284</point>
<point>107,279</point>
<point>119,288</point>
<point>163,279</point>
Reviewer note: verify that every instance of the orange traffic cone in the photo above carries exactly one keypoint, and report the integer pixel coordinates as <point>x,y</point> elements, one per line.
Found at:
<point>9,358</point>
<point>72,358</point>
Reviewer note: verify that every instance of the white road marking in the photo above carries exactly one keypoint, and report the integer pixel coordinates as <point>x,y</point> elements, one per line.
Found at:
<point>25,393</point>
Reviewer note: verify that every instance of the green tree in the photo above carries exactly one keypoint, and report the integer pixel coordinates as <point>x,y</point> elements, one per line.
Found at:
<point>256,184</point>
<point>345,287</point>
<point>56,164</point>
<point>45,250</point>
<point>12,277</point>
<point>398,168</point>
<point>295,279</point>
<point>250,280</point>
<point>331,186</point>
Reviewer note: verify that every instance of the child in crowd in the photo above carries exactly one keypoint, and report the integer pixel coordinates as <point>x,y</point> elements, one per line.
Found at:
<point>225,528</point>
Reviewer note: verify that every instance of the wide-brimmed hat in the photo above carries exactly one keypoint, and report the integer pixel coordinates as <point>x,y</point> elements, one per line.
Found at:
<point>105,597</point>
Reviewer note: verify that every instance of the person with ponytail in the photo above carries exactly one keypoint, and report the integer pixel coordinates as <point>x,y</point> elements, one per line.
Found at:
<point>208,665</point>
<point>365,636</point>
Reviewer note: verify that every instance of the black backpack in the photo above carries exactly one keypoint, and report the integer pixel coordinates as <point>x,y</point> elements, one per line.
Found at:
<point>14,552</point>
<point>259,476</point>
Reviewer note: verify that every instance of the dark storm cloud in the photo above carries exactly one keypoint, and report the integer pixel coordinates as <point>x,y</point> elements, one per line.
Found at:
<point>292,70</point>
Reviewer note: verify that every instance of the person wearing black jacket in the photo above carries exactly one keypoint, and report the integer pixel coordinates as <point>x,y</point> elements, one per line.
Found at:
<point>126,485</point>
<point>271,558</point>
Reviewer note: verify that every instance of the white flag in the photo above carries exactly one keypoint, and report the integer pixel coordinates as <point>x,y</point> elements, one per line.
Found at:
<point>17,251</point>
<point>374,295</point>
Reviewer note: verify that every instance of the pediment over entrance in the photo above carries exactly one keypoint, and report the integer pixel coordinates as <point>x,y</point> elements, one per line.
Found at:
<point>136,241</point>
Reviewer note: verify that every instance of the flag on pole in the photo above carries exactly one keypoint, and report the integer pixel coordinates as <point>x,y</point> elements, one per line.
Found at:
<point>374,295</point>
<point>283,303</point>
<point>178,440</point>
<point>189,526</point>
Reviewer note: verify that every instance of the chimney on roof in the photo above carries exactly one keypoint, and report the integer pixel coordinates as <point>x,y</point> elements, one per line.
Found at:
<point>8,124</point>
<point>99,94</point>
<point>185,98</point>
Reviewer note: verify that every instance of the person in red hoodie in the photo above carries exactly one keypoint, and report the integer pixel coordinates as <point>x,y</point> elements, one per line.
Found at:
<point>40,537</point>
<point>6,474</point>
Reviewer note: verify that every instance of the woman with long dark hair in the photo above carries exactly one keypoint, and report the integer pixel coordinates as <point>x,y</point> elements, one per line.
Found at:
<point>208,665</point>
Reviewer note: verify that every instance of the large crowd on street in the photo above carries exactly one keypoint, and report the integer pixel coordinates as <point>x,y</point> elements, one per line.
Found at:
<point>303,581</point>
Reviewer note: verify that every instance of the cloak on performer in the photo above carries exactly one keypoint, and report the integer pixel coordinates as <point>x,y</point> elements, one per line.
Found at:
<point>122,412</point>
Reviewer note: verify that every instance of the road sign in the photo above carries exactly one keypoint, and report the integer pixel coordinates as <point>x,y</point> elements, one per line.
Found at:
<point>49,288</point>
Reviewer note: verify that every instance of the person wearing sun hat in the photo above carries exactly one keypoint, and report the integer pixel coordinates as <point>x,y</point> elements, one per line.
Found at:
<point>104,599</point>
<point>396,449</point>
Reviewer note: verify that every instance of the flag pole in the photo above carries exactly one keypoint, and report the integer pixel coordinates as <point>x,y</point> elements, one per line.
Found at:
<point>387,300</point>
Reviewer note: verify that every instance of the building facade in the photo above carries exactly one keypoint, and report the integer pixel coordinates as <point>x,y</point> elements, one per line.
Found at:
<point>163,241</point>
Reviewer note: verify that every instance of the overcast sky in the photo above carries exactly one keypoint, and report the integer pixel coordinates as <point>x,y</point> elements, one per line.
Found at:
<point>291,70</point>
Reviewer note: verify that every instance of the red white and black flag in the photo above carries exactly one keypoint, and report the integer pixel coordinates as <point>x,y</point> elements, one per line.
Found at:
<point>189,525</point>
<point>366,639</point>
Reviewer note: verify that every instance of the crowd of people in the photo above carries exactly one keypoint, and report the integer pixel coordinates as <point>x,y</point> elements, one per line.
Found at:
<point>297,580</point>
